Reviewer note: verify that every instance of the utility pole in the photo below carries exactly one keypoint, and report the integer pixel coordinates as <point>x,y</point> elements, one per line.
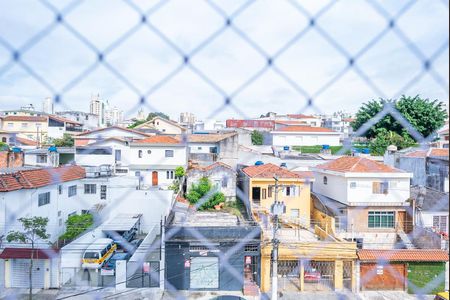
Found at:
<point>276,208</point>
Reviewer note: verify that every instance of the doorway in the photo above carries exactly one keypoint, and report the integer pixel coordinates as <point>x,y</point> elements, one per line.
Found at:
<point>256,195</point>
<point>154,178</point>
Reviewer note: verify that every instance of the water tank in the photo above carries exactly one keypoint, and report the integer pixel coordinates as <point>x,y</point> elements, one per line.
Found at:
<point>366,151</point>
<point>325,147</point>
<point>259,163</point>
<point>286,148</point>
<point>52,149</point>
<point>16,149</point>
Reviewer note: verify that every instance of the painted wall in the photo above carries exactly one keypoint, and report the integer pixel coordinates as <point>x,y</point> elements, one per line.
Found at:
<point>156,156</point>
<point>304,139</point>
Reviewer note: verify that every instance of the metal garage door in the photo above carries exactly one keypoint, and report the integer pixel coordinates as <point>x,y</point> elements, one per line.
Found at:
<point>204,273</point>
<point>20,275</point>
<point>382,277</point>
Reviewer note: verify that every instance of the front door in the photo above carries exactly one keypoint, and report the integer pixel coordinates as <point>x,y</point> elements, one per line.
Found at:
<point>155,178</point>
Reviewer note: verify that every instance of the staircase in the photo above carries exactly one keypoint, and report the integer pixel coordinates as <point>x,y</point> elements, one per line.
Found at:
<point>405,239</point>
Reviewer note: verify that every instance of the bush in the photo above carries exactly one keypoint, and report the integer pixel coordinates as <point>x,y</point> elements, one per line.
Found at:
<point>198,190</point>
<point>193,196</point>
<point>179,172</point>
<point>257,137</point>
<point>77,224</point>
<point>215,199</point>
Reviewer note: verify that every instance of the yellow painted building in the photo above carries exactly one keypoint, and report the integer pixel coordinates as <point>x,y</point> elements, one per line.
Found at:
<point>310,258</point>
<point>31,127</point>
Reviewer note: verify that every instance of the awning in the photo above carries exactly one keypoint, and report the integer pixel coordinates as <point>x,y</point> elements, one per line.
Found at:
<point>25,253</point>
<point>369,255</point>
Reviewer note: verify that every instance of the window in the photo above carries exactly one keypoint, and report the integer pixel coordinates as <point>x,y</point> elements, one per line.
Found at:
<point>169,174</point>
<point>10,125</point>
<point>381,219</point>
<point>169,153</point>
<point>44,199</point>
<point>4,140</point>
<point>72,190</point>
<point>149,151</point>
<point>199,148</point>
<point>352,185</point>
<point>90,189</point>
<point>325,180</point>
<point>103,192</point>
<point>60,189</point>
<point>118,155</point>
<point>440,223</point>
<point>60,222</point>
<point>295,213</point>
<point>380,187</point>
<point>121,171</point>
<point>59,213</point>
<point>264,193</point>
<point>269,191</point>
<point>41,159</point>
<point>140,153</point>
<point>24,125</point>
<point>225,182</point>
<point>288,191</point>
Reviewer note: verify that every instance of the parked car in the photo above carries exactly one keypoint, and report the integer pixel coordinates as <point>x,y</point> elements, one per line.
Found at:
<point>111,263</point>
<point>312,275</point>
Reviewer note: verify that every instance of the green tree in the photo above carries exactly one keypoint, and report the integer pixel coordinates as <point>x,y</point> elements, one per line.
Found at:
<point>385,138</point>
<point>157,114</point>
<point>34,230</point>
<point>425,115</point>
<point>197,191</point>
<point>77,224</point>
<point>3,146</point>
<point>179,172</point>
<point>214,200</point>
<point>257,137</point>
<point>137,123</point>
<point>66,141</point>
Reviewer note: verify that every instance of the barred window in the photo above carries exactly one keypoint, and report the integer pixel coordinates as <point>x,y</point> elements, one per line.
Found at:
<point>72,191</point>
<point>381,219</point>
<point>90,188</point>
<point>44,199</point>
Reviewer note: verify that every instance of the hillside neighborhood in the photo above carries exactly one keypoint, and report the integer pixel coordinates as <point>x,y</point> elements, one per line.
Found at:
<point>185,205</point>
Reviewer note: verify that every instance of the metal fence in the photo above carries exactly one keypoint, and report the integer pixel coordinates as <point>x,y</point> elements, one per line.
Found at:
<point>219,58</point>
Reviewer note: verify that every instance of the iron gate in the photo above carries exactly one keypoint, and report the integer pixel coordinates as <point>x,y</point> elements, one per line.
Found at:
<point>319,276</point>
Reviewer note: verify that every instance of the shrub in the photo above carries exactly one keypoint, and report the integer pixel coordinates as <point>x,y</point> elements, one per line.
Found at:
<point>215,199</point>
<point>179,172</point>
<point>77,224</point>
<point>193,196</point>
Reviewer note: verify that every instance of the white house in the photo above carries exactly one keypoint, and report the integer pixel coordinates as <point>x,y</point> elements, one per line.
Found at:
<point>304,136</point>
<point>101,134</point>
<point>163,125</point>
<point>432,209</point>
<point>155,159</point>
<point>365,196</point>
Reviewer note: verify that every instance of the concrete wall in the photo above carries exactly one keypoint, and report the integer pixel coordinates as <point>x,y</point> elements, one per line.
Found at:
<point>335,187</point>
<point>304,139</point>
<point>157,155</point>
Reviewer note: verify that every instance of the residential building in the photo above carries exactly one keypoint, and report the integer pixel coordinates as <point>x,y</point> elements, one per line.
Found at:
<point>431,209</point>
<point>11,158</point>
<point>366,199</point>
<point>307,255</point>
<point>88,121</point>
<point>32,127</point>
<point>211,242</point>
<point>207,148</point>
<point>113,116</point>
<point>97,107</point>
<point>162,125</point>
<point>94,136</point>
<point>260,185</point>
<point>154,159</point>
<point>443,136</point>
<point>51,157</point>
<point>187,120</point>
<point>260,125</point>
<point>222,176</point>
<point>304,136</point>
<point>47,106</point>
<point>309,120</point>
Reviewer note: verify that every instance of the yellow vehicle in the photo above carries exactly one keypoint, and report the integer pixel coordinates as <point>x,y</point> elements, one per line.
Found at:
<point>98,253</point>
<point>442,296</point>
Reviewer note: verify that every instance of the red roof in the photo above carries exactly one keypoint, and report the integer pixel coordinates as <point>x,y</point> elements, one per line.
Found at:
<point>305,129</point>
<point>291,122</point>
<point>305,174</point>
<point>62,119</point>
<point>269,171</point>
<point>212,166</point>
<point>430,152</point>
<point>158,139</point>
<point>268,124</point>
<point>25,253</point>
<point>26,142</point>
<point>40,177</point>
<point>301,116</point>
<point>357,165</point>
<point>25,118</point>
<point>439,152</point>
<point>403,255</point>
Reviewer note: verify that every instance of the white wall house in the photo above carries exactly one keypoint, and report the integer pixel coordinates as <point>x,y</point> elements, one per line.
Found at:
<point>155,159</point>
<point>304,136</point>
<point>162,125</point>
<point>97,135</point>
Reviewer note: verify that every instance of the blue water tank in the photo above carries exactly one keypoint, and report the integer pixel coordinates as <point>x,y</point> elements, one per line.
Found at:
<point>286,148</point>
<point>366,151</point>
<point>16,150</point>
<point>325,147</point>
<point>259,163</point>
<point>52,149</point>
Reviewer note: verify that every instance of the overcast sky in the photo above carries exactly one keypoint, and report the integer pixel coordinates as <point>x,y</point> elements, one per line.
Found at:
<point>143,58</point>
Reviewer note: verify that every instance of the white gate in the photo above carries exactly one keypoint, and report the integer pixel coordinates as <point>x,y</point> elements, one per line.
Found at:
<point>20,273</point>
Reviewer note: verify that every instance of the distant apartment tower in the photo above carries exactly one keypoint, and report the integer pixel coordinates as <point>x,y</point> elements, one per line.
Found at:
<point>113,116</point>
<point>187,119</point>
<point>141,115</point>
<point>97,107</point>
<point>88,121</point>
<point>47,106</point>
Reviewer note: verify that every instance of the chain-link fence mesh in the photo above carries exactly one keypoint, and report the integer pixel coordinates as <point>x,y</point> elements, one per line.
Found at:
<point>216,59</point>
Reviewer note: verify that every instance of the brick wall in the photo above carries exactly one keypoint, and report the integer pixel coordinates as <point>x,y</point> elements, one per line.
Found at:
<point>9,159</point>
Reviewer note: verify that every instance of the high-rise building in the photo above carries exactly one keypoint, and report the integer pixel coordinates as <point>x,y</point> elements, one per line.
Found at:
<point>97,107</point>
<point>187,118</point>
<point>141,115</point>
<point>113,115</point>
<point>47,106</point>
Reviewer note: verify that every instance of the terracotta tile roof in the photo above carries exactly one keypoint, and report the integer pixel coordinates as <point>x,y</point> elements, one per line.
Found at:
<point>305,129</point>
<point>41,177</point>
<point>403,255</point>
<point>25,253</point>
<point>304,174</point>
<point>269,171</point>
<point>439,152</point>
<point>158,139</point>
<point>25,118</point>
<point>291,122</point>
<point>25,142</point>
<point>348,119</point>
<point>417,153</point>
<point>357,165</point>
<point>212,166</point>
<point>301,116</point>
<point>117,127</point>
